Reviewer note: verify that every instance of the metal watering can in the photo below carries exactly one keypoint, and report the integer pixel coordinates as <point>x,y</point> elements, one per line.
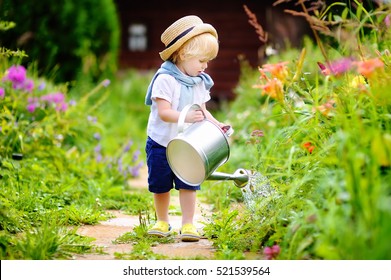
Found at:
<point>199,149</point>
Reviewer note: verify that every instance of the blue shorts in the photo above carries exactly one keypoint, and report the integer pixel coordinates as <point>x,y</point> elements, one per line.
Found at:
<point>161,179</point>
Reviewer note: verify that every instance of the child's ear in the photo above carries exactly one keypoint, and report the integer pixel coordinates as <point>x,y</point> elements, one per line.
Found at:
<point>181,56</point>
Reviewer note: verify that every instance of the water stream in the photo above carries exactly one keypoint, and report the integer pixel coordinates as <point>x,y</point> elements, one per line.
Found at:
<point>258,187</point>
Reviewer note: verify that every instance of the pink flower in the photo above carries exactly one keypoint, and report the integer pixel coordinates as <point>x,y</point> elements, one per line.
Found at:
<point>28,85</point>
<point>337,67</point>
<point>275,250</point>
<point>57,97</point>
<point>31,107</point>
<point>271,252</point>
<point>257,133</point>
<point>325,108</point>
<point>387,21</point>
<point>268,253</point>
<point>2,92</point>
<point>61,107</point>
<point>16,74</point>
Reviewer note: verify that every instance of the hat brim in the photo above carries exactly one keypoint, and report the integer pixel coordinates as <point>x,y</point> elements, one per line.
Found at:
<point>197,30</point>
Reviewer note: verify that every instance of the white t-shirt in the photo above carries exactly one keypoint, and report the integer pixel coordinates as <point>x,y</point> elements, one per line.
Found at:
<point>167,87</point>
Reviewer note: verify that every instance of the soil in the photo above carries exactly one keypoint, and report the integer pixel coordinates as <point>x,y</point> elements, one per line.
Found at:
<point>108,231</point>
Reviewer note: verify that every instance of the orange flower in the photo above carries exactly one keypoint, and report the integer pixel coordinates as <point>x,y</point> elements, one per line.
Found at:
<point>309,147</point>
<point>273,88</point>
<point>277,70</point>
<point>326,108</point>
<point>366,68</point>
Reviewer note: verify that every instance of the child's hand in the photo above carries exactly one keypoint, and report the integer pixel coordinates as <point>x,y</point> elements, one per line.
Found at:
<point>227,129</point>
<point>194,116</point>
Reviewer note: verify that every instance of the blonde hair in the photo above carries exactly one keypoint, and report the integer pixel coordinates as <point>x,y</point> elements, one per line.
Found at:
<point>204,46</point>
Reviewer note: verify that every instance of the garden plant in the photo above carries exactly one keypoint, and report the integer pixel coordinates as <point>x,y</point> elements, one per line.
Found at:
<point>315,122</point>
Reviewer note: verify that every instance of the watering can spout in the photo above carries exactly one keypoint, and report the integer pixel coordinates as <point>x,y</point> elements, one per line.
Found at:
<point>240,177</point>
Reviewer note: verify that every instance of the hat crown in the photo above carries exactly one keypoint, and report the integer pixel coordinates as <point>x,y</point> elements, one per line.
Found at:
<point>178,27</point>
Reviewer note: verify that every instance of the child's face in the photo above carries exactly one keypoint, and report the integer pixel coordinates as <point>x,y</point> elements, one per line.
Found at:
<point>193,66</point>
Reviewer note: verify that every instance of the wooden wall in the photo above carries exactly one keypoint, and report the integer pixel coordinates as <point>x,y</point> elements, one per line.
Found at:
<point>237,37</point>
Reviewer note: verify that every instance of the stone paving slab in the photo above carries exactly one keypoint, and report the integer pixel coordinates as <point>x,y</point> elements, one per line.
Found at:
<point>108,231</point>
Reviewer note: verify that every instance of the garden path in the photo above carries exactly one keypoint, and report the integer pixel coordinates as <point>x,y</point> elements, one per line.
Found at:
<point>106,232</point>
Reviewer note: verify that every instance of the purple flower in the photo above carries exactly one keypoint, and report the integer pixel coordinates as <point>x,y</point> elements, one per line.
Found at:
<point>97,136</point>
<point>135,171</point>
<point>41,86</point>
<point>98,157</point>
<point>28,85</point>
<point>16,74</point>
<point>387,20</point>
<point>61,107</point>
<point>106,82</point>
<point>340,66</point>
<point>72,102</point>
<point>336,67</point>
<point>57,97</point>
<point>32,100</point>
<point>31,107</point>
<point>136,155</point>
<point>2,92</point>
<point>127,147</point>
<point>97,148</point>
<point>33,103</point>
<point>91,119</point>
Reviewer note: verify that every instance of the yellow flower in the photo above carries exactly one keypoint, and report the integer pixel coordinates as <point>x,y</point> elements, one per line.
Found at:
<point>358,83</point>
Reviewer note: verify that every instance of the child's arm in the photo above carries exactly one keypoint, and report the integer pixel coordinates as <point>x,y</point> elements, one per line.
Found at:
<point>167,114</point>
<point>210,117</point>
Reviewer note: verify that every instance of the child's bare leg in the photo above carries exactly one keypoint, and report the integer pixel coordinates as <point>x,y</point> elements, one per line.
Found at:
<point>162,202</point>
<point>187,199</point>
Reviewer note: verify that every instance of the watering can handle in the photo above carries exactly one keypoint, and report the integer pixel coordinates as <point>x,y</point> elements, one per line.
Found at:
<point>183,114</point>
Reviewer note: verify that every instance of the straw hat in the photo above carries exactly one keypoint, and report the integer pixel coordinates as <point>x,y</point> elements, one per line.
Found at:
<point>181,31</point>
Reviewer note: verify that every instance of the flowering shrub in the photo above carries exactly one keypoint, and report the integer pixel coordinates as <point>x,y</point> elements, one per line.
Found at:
<point>50,174</point>
<point>316,123</point>
<point>37,116</point>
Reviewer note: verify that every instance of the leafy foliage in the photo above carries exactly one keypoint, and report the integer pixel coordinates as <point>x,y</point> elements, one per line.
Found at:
<point>51,173</point>
<point>316,123</point>
<point>62,39</point>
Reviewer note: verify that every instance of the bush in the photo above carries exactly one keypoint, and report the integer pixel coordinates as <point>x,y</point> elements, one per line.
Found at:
<point>319,129</point>
<point>66,38</point>
<point>54,170</point>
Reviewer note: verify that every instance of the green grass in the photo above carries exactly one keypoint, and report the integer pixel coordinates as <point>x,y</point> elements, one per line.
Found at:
<point>325,148</point>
